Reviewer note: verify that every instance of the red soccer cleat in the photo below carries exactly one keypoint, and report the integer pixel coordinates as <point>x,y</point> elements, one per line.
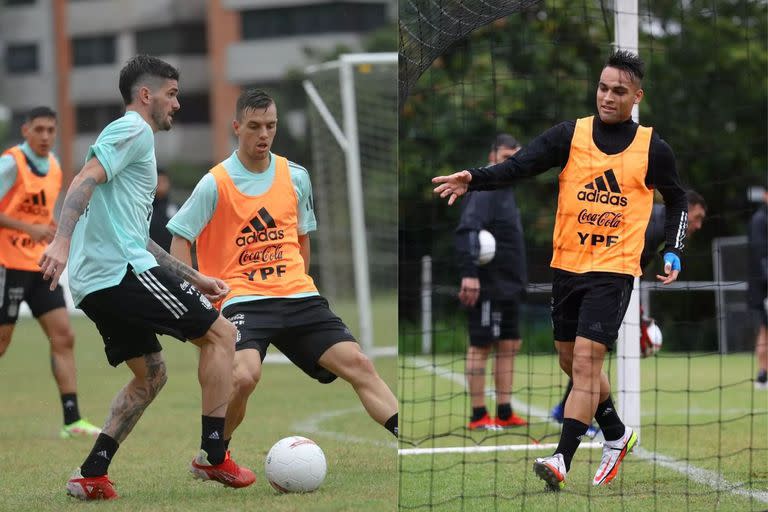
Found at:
<point>511,422</point>
<point>227,473</point>
<point>484,423</point>
<point>90,488</point>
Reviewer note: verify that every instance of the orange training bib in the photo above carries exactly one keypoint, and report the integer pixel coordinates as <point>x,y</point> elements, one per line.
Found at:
<point>603,206</point>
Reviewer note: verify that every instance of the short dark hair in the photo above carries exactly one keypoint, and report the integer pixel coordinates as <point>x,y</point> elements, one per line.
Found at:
<point>252,99</point>
<point>629,62</point>
<point>138,69</point>
<point>504,140</point>
<point>695,198</point>
<point>41,111</point>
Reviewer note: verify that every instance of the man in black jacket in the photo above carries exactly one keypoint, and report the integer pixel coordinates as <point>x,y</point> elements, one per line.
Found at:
<point>758,287</point>
<point>492,292</point>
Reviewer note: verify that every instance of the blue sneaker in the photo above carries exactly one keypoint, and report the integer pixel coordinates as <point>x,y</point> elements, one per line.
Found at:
<point>557,413</point>
<point>592,431</point>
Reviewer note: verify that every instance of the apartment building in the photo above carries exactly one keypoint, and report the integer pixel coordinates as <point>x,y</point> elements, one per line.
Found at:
<point>68,53</point>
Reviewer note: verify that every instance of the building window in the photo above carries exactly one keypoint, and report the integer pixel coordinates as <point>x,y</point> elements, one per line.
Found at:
<point>21,58</point>
<point>93,51</point>
<point>18,2</point>
<point>195,109</point>
<point>312,19</point>
<point>176,40</point>
<point>93,118</point>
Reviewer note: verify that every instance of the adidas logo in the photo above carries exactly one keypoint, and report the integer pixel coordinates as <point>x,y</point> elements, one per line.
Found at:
<point>103,453</point>
<point>601,190</point>
<point>260,229</point>
<point>34,204</point>
<point>596,327</point>
<point>69,403</point>
<point>214,435</point>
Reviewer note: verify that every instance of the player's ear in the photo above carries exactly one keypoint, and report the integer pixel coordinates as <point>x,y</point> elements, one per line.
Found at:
<point>236,127</point>
<point>638,96</point>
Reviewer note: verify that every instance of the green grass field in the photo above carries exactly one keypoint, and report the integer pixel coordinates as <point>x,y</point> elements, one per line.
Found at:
<point>150,470</point>
<point>701,409</point>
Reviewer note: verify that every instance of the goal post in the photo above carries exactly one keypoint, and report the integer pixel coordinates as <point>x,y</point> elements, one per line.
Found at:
<point>353,124</point>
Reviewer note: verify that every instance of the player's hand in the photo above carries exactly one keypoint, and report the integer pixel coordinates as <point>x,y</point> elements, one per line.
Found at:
<point>213,288</point>
<point>672,268</point>
<point>452,186</point>
<point>41,232</point>
<point>54,260</point>
<point>470,291</point>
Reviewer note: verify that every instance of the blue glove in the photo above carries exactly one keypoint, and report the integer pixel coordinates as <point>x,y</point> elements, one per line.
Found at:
<point>673,260</point>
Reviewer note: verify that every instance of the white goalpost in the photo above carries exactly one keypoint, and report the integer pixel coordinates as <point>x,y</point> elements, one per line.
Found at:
<point>354,146</point>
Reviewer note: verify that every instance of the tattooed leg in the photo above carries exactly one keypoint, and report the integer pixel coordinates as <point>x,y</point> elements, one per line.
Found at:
<point>133,399</point>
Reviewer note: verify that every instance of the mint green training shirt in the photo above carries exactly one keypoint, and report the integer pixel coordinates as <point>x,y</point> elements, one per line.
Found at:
<point>114,230</point>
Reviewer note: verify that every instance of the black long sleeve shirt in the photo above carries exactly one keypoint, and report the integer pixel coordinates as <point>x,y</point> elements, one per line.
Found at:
<point>552,149</point>
<point>504,277</point>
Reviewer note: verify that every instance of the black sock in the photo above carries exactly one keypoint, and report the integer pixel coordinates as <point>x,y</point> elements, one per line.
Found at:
<point>609,421</point>
<point>97,462</point>
<point>71,411</point>
<point>570,438</point>
<point>762,376</point>
<point>212,440</point>
<point>226,444</point>
<point>503,411</point>
<point>478,412</point>
<point>567,392</point>
<point>391,424</point>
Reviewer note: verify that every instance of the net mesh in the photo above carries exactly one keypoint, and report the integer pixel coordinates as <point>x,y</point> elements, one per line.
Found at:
<point>704,425</point>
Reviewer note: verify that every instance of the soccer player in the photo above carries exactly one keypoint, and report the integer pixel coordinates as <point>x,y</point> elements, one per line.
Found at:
<point>654,240</point>
<point>610,166</point>
<point>758,288</point>
<point>132,289</point>
<point>492,292</point>
<point>251,216</point>
<point>30,182</point>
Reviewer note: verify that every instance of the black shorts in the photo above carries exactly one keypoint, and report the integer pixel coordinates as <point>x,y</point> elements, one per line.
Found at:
<point>756,297</point>
<point>591,305</point>
<point>302,329</point>
<point>30,287</point>
<point>130,315</point>
<point>493,320</point>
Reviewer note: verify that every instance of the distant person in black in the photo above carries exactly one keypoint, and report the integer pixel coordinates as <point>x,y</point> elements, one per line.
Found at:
<point>589,299</point>
<point>162,211</point>
<point>492,292</point>
<point>758,287</point>
<point>654,240</point>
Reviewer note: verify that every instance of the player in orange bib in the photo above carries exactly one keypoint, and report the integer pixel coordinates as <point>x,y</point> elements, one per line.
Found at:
<point>30,182</point>
<point>610,167</point>
<point>251,216</point>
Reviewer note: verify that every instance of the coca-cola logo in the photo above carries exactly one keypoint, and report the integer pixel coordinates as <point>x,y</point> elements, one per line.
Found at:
<point>606,219</point>
<point>265,255</point>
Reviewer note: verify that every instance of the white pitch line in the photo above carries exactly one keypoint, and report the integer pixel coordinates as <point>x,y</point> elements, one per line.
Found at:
<point>312,425</point>
<point>702,476</point>
<point>486,449</point>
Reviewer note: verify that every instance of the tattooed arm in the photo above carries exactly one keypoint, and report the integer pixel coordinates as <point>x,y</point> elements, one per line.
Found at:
<point>79,193</point>
<point>214,289</point>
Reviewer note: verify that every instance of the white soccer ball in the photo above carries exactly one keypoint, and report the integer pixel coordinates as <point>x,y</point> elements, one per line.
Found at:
<point>655,339</point>
<point>295,464</point>
<point>487,247</point>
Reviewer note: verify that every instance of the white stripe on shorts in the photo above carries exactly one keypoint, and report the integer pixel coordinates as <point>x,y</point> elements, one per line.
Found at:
<point>2,285</point>
<point>485,313</point>
<point>171,297</point>
<point>159,296</point>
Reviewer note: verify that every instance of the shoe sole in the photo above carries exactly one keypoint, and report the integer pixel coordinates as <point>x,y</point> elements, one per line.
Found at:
<point>615,469</point>
<point>549,476</point>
